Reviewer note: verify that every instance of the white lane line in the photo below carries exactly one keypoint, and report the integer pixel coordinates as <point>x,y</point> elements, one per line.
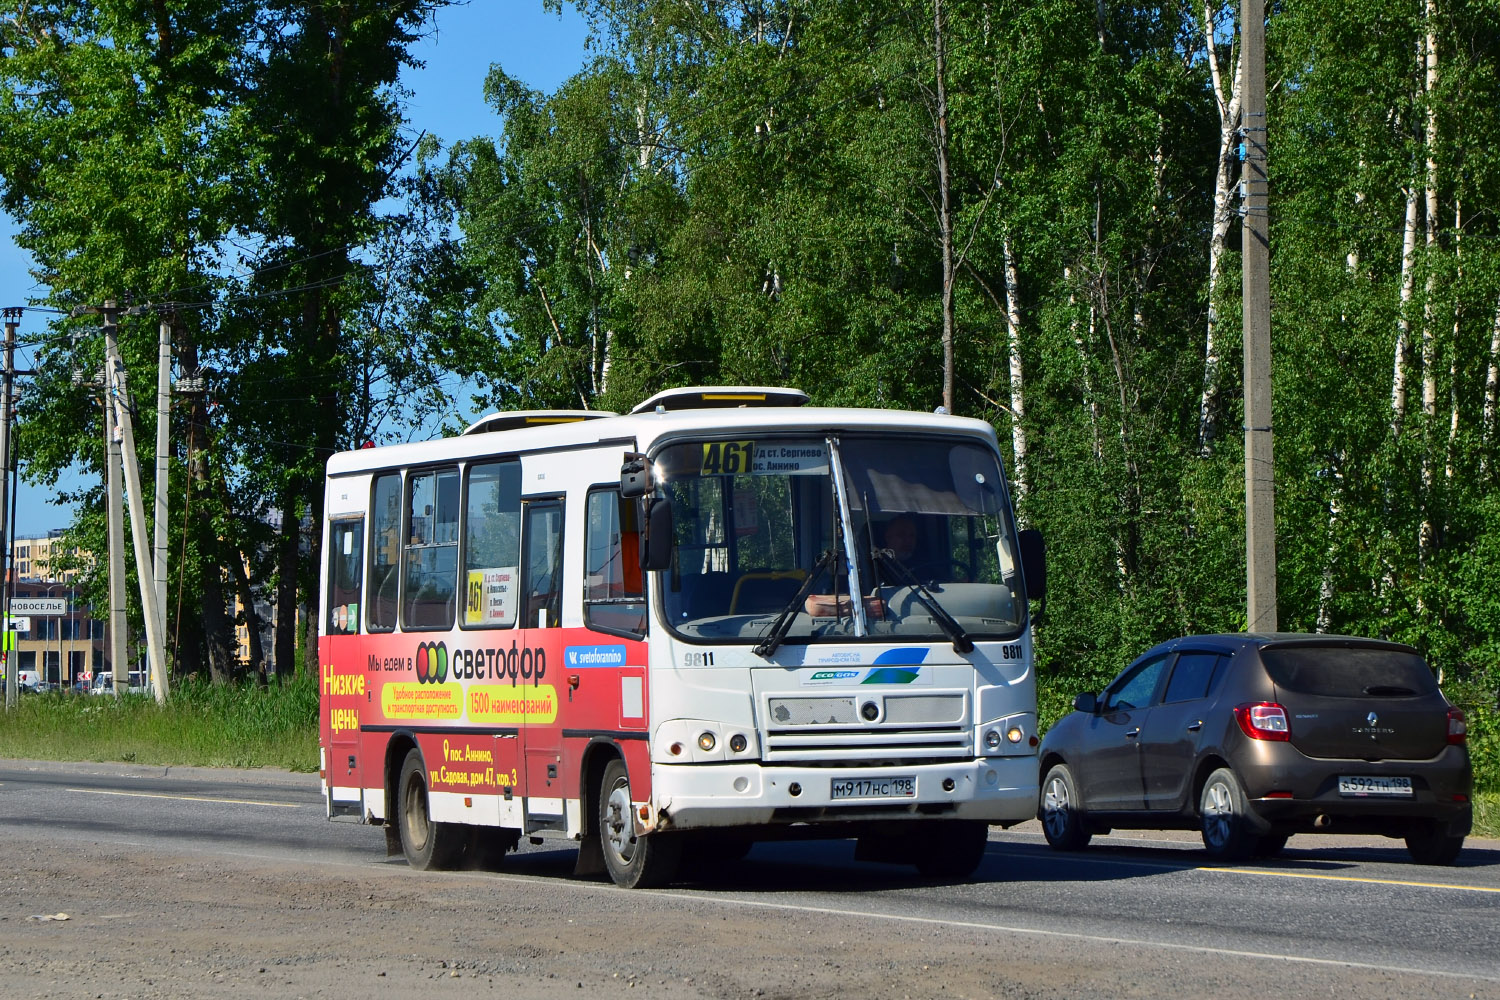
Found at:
<point>1075,936</point>
<point>729,901</point>
<point>185,798</point>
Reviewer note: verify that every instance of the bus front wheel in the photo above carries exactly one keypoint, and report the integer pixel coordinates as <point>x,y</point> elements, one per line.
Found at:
<point>428,845</point>
<point>633,862</point>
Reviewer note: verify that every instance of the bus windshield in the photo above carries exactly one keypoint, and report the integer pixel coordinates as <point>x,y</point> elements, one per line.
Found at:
<point>790,528</point>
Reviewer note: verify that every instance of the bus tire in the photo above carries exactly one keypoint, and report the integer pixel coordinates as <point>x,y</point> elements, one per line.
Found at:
<point>951,848</point>
<point>633,862</point>
<point>428,846</point>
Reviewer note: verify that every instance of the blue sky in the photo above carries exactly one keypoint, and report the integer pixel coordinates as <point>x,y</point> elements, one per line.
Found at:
<point>541,48</point>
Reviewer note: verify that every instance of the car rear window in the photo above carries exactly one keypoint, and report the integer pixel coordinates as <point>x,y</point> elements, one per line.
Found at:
<point>1348,673</point>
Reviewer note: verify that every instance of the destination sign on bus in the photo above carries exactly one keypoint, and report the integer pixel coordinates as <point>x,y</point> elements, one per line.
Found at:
<point>491,596</point>
<point>778,458</point>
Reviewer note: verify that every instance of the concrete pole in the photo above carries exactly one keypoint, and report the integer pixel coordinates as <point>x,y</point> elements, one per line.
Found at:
<point>120,398</point>
<point>115,512</point>
<point>163,422</point>
<point>1260,481</point>
<point>11,317</point>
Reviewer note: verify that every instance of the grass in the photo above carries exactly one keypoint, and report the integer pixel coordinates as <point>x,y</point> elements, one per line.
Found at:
<point>1487,814</point>
<point>238,725</point>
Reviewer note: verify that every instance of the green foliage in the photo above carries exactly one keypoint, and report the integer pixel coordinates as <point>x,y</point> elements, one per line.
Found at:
<point>750,193</point>
<point>224,162</point>
<point>202,724</point>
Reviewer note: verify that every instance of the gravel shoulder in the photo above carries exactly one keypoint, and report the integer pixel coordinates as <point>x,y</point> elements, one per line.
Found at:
<point>152,925</point>
<point>151,921</point>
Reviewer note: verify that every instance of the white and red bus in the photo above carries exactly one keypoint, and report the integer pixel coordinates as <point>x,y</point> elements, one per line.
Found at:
<point>641,633</point>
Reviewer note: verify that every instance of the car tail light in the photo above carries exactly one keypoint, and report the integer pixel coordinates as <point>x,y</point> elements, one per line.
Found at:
<point>1263,721</point>
<point>1458,729</point>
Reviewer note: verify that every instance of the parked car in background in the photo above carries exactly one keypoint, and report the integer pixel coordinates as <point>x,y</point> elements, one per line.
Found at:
<point>1252,738</point>
<point>104,682</point>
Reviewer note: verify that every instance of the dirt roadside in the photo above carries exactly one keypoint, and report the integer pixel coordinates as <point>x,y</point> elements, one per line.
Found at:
<point>168,926</point>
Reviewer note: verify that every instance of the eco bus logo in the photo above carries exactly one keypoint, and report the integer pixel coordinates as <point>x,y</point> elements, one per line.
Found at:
<point>432,663</point>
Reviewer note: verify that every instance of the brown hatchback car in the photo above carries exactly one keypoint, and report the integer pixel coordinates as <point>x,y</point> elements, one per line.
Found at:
<point>1254,737</point>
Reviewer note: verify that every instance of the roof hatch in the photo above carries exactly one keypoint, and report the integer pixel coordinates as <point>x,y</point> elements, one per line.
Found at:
<point>517,419</point>
<point>708,397</point>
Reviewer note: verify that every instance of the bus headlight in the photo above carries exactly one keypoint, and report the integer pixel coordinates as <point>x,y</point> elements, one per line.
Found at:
<point>706,741</point>
<point>1014,734</point>
<point>992,739</point>
<point>738,743</point>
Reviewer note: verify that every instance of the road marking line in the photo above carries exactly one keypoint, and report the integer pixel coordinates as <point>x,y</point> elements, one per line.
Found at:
<point>1073,936</point>
<point>1352,878</point>
<point>184,798</point>
<point>1168,866</point>
<point>534,880</point>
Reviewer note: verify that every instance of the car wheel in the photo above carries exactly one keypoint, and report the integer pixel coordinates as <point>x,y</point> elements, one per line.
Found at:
<point>1061,811</point>
<point>633,862</point>
<point>951,849</point>
<point>428,846</point>
<point>1431,844</point>
<point>1270,845</point>
<point>1225,819</point>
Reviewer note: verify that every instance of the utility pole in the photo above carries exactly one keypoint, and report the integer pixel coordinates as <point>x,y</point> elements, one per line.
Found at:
<point>120,397</point>
<point>12,317</point>
<point>163,418</point>
<point>115,515</point>
<point>1260,480</point>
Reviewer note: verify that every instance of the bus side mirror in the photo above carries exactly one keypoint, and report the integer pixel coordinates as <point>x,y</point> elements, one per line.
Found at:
<point>656,546</point>
<point>635,476</point>
<point>1034,563</point>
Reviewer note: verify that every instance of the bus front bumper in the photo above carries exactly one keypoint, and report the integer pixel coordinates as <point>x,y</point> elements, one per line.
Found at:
<point>1000,790</point>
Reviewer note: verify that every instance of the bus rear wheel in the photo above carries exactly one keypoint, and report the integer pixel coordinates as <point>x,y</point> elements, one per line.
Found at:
<point>428,846</point>
<point>633,862</point>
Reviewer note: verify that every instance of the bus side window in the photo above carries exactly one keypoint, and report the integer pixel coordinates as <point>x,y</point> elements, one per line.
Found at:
<point>385,549</point>
<point>345,559</point>
<point>430,560</point>
<point>492,544</point>
<point>614,597</point>
<point>543,539</point>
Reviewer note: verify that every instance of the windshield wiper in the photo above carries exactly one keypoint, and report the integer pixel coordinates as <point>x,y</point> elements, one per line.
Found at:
<point>951,628</point>
<point>783,623</point>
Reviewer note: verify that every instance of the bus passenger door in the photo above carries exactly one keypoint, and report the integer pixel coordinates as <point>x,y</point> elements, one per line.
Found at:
<point>541,666</point>
<point>341,657</point>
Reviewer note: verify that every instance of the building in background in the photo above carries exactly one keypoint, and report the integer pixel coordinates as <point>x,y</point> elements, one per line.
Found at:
<point>64,648</point>
<point>33,558</point>
<point>71,647</point>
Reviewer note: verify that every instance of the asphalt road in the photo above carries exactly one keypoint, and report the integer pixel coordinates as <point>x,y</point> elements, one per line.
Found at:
<point>1331,910</point>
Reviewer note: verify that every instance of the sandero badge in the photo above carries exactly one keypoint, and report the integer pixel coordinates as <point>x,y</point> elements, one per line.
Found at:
<point>432,663</point>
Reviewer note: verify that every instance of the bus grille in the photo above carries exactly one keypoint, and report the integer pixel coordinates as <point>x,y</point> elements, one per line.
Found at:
<point>868,747</point>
